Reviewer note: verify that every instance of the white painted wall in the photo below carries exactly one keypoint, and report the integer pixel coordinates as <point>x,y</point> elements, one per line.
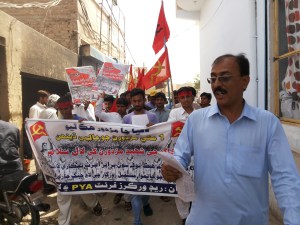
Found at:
<point>230,27</point>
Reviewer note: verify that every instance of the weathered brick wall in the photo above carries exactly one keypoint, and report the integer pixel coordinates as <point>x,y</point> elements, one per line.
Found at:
<point>59,23</point>
<point>72,23</point>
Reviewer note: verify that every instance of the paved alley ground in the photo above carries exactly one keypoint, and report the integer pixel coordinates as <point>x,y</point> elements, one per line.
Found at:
<point>165,213</point>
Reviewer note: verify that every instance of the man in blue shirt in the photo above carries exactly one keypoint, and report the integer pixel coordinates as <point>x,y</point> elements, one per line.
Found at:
<point>161,112</point>
<point>235,147</point>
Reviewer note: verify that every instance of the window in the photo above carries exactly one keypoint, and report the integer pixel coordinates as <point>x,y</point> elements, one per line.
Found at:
<point>287,59</point>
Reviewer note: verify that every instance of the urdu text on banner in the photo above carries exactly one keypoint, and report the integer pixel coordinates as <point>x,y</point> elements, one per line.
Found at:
<point>95,157</point>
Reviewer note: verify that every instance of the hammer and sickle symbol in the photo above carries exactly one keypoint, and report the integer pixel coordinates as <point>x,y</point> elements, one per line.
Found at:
<point>37,130</point>
<point>178,131</point>
<point>159,67</point>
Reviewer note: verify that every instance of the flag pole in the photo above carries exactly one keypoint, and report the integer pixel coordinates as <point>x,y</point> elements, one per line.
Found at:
<point>173,99</point>
<point>170,79</point>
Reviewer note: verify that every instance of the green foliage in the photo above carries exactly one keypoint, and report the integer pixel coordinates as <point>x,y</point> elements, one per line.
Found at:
<point>197,82</point>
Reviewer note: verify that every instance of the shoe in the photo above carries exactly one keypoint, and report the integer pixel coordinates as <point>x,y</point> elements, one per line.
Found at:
<point>128,206</point>
<point>42,207</point>
<point>97,210</point>
<point>165,199</point>
<point>117,198</point>
<point>148,210</point>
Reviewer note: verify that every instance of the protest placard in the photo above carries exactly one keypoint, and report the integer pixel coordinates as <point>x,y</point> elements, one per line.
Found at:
<point>80,81</point>
<point>110,78</point>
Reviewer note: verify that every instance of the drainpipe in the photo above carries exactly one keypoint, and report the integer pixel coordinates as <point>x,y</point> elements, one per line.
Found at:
<point>256,52</point>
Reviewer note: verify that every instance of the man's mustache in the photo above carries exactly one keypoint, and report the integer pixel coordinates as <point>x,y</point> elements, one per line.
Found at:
<point>221,90</point>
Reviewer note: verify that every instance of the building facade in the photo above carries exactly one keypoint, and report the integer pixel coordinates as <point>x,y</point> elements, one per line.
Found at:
<point>39,40</point>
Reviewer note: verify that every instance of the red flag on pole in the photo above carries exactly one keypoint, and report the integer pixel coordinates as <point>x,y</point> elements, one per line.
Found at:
<point>159,73</point>
<point>162,32</point>
<point>140,81</point>
<point>131,84</point>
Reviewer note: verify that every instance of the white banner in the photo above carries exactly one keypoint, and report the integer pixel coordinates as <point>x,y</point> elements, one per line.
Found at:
<point>103,157</point>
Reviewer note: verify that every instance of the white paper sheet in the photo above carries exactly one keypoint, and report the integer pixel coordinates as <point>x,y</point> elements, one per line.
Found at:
<point>184,185</point>
<point>140,119</point>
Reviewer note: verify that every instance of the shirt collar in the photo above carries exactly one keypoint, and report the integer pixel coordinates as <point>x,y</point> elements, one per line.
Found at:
<point>182,111</point>
<point>41,105</point>
<point>248,111</point>
<point>156,109</point>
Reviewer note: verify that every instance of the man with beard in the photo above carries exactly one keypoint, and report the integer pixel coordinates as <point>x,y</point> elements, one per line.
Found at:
<point>235,146</point>
<point>161,112</point>
<point>138,101</point>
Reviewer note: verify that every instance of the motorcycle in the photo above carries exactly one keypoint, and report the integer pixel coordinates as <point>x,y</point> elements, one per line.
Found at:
<point>18,192</point>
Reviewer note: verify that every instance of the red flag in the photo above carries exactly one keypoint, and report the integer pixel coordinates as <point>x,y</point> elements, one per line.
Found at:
<point>140,81</point>
<point>159,72</point>
<point>131,84</point>
<point>38,130</point>
<point>162,32</point>
<point>114,106</point>
<point>176,128</point>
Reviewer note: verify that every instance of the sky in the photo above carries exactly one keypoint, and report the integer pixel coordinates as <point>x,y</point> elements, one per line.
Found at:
<point>140,23</point>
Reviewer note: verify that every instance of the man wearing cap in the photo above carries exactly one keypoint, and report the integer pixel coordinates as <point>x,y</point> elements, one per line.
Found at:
<point>186,96</point>
<point>151,102</point>
<point>50,112</point>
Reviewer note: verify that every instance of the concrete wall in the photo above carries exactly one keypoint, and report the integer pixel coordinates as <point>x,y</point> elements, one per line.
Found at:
<point>228,27</point>
<point>24,50</point>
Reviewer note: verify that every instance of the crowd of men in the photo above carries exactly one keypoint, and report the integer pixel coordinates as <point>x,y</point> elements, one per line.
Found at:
<point>120,110</point>
<point>234,147</point>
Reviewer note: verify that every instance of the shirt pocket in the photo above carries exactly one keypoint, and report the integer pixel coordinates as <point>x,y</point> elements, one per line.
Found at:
<point>249,161</point>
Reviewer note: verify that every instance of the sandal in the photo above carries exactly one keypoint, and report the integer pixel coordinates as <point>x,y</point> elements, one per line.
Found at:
<point>128,206</point>
<point>117,198</point>
<point>97,210</point>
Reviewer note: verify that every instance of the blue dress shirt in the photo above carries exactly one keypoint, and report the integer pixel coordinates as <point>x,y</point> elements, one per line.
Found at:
<point>232,163</point>
<point>162,115</point>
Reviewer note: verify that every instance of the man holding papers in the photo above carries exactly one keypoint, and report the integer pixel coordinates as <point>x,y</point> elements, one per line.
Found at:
<point>235,148</point>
